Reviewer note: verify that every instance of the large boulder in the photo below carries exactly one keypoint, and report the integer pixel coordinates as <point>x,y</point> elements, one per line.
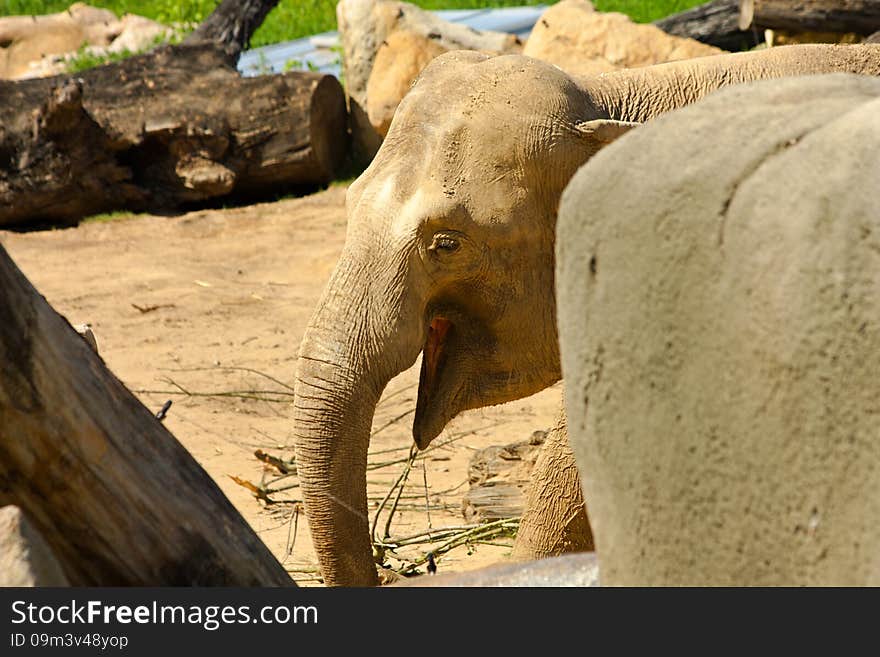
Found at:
<point>718,311</point>
<point>27,39</point>
<point>366,27</point>
<point>36,46</point>
<point>25,557</point>
<point>400,59</point>
<point>582,41</point>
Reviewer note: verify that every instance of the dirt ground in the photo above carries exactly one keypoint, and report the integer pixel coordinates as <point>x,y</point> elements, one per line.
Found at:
<point>177,302</point>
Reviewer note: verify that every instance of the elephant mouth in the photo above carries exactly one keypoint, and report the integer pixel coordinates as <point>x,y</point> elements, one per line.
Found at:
<point>434,356</point>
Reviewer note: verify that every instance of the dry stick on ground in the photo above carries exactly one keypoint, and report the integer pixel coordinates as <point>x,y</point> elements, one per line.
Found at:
<point>231,369</point>
<point>392,421</point>
<point>425,480</point>
<point>387,532</point>
<point>294,516</point>
<point>394,394</point>
<point>402,477</point>
<point>284,467</point>
<point>454,537</point>
<point>258,395</point>
<point>479,534</point>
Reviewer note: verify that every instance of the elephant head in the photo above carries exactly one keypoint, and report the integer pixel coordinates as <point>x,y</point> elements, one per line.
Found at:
<point>448,253</point>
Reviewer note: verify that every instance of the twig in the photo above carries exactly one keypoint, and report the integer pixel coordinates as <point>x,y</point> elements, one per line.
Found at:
<point>427,503</point>
<point>148,309</point>
<point>395,393</point>
<point>392,421</point>
<point>412,458</point>
<point>284,467</point>
<point>258,492</point>
<point>479,534</point>
<point>229,367</point>
<point>403,475</point>
<point>238,394</point>
<point>295,521</point>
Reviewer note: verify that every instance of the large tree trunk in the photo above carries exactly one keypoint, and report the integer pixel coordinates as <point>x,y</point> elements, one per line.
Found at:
<point>116,497</point>
<point>160,130</point>
<point>715,23</point>
<point>231,25</point>
<point>555,520</point>
<point>858,16</point>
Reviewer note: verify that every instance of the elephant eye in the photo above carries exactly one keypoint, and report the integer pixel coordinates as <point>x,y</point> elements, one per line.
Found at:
<point>444,244</point>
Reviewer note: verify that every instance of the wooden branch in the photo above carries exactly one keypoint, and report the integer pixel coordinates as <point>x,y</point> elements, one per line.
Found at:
<point>715,23</point>
<point>232,24</point>
<point>153,132</point>
<point>118,500</point>
<point>858,16</point>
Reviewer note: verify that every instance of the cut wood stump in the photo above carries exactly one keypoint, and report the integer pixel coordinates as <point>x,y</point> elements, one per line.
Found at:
<point>162,130</point>
<point>117,499</point>
<point>715,23</point>
<point>498,477</point>
<point>856,16</point>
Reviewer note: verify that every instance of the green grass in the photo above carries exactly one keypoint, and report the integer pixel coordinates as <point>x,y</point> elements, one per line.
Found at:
<point>292,19</point>
<point>119,215</point>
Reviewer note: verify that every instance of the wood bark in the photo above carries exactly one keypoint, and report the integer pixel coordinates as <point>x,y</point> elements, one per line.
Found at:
<point>118,500</point>
<point>555,520</point>
<point>715,23</point>
<point>858,16</point>
<point>231,25</point>
<point>161,130</point>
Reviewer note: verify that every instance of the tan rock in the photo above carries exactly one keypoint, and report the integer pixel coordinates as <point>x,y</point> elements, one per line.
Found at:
<point>582,41</point>
<point>138,33</point>
<point>31,38</point>
<point>400,59</point>
<point>25,557</point>
<point>365,27</point>
<point>36,46</point>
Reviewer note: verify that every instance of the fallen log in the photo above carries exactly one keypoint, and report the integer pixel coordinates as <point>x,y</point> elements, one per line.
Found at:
<point>161,130</point>
<point>117,499</point>
<point>715,23</point>
<point>856,16</point>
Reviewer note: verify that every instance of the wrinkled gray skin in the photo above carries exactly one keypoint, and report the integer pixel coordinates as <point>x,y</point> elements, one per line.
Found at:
<point>452,227</point>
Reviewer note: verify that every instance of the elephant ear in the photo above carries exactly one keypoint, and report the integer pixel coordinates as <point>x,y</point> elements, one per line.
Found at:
<point>605,131</point>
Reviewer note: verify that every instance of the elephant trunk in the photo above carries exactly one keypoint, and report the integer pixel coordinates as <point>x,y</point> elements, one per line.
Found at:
<point>346,359</point>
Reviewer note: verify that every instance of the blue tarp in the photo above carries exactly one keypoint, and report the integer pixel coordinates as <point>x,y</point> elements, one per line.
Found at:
<point>321,51</point>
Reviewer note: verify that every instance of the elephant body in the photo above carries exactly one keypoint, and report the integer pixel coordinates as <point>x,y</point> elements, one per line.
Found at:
<point>717,277</point>
<point>450,253</point>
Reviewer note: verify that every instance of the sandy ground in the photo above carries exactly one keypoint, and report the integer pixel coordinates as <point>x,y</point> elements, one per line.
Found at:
<point>235,288</point>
